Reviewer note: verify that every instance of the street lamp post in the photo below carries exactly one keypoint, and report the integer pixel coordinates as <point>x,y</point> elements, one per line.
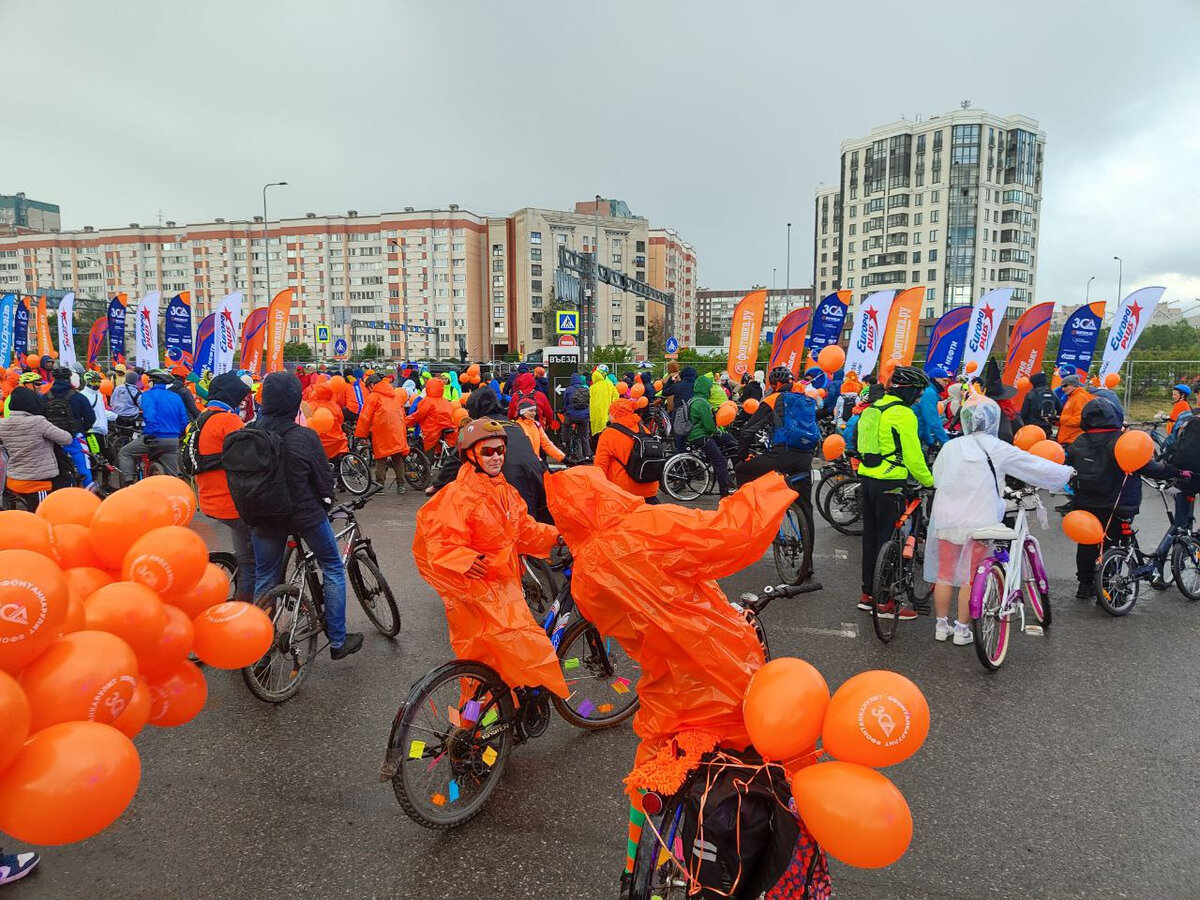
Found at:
<point>1087,291</point>
<point>266,237</point>
<point>403,295</point>
<point>1120,275</point>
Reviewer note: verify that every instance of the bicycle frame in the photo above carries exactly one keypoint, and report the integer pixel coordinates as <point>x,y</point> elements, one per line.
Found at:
<point>1011,563</point>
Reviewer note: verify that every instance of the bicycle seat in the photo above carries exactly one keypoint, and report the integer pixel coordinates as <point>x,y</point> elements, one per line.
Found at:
<point>994,533</point>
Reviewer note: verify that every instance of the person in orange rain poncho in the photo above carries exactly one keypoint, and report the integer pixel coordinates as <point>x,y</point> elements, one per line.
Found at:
<point>467,546</point>
<point>334,440</point>
<point>434,414</point>
<point>382,418</point>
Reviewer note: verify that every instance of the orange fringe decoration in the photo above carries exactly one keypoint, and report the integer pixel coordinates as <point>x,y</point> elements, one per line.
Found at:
<point>666,771</point>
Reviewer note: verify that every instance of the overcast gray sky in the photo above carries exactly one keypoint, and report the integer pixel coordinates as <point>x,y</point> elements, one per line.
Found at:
<point>715,118</point>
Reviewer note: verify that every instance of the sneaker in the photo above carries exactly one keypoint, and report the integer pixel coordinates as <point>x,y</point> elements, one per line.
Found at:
<point>907,614</point>
<point>942,630</point>
<point>399,487</point>
<point>865,603</point>
<point>15,866</point>
<point>430,491</point>
<point>962,634</point>
<point>1085,591</point>
<point>353,644</point>
<point>1159,584</point>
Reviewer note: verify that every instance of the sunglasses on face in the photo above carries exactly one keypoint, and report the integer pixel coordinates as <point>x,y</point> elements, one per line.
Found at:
<point>485,452</point>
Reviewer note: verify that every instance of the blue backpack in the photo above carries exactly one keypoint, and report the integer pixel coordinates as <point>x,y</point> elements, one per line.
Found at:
<point>795,422</point>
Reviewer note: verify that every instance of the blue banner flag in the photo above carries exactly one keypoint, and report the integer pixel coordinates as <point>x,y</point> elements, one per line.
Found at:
<point>1078,342</point>
<point>204,344</point>
<point>947,340</point>
<point>8,327</point>
<point>827,322</point>
<point>21,329</point>
<point>177,329</point>
<point>116,327</point>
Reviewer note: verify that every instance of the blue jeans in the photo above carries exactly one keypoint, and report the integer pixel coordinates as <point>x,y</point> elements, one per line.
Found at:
<point>268,556</point>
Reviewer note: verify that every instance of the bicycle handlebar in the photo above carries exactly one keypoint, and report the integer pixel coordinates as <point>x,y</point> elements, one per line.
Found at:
<point>758,602</point>
<point>357,504</point>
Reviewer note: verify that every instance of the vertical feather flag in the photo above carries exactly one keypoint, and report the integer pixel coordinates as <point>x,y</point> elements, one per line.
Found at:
<point>788,347</point>
<point>903,325</point>
<point>985,325</point>
<point>743,334</point>
<point>1128,324</point>
<point>1078,342</point>
<point>204,343</point>
<point>946,341</point>
<point>866,335</point>
<point>45,346</point>
<point>277,322</point>
<point>117,307</point>
<point>65,318</point>
<point>828,321</point>
<point>226,328</point>
<point>254,334</point>
<point>1027,343</point>
<point>8,327</point>
<point>96,336</point>
<point>21,331</point>
<point>146,331</point>
<point>177,329</point>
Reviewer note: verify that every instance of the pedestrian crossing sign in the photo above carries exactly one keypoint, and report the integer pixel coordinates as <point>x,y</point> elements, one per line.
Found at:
<point>568,322</point>
<point>322,334</point>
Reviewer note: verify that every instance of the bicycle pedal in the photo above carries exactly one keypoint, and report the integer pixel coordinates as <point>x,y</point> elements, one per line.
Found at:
<point>1035,630</point>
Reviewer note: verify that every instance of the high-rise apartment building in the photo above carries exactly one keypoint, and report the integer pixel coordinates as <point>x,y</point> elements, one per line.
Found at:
<point>952,203</point>
<point>673,271</point>
<point>715,310</point>
<point>18,213</point>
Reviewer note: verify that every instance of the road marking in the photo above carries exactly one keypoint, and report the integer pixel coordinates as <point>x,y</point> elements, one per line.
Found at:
<point>848,630</point>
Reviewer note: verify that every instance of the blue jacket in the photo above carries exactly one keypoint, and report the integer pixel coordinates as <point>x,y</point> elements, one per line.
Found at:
<point>575,415</point>
<point>80,407</point>
<point>163,413</point>
<point>929,424</point>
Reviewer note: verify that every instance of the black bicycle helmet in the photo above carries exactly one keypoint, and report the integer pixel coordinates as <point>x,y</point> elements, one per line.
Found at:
<point>161,376</point>
<point>780,375</point>
<point>908,377</point>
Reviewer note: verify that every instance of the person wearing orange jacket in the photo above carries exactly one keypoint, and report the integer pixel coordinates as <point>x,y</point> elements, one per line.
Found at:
<point>434,414</point>
<point>1070,419</point>
<point>527,420</point>
<point>334,440</point>
<point>1182,395</point>
<point>468,545</point>
<point>382,418</point>
<point>614,448</point>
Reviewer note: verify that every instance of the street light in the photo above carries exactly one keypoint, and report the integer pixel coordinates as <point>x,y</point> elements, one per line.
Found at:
<point>1087,291</point>
<point>266,238</point>
<point>1120,274</point>
<point>403,294</point>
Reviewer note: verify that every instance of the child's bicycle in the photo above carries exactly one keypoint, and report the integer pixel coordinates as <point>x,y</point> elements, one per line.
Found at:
<point>1010,576</point>
<point>900,567</point>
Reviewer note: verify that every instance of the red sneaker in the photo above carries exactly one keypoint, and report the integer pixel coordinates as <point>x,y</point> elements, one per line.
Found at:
<point>865,603</point>
<point>907,614</point>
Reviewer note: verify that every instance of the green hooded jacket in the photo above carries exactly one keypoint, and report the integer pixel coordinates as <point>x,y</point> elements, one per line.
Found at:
<point>701,412</point>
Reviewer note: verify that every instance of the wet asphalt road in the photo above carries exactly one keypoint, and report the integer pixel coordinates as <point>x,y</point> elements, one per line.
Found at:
<point>1071,773</point>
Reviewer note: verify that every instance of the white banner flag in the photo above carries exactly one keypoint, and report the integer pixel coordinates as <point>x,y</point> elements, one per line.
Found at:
<point>227,325</point>
<point>66,337</point>
<point>983,325</point>
<point>146,332</point>
<point>1129,322</point>
<point>866,334</point>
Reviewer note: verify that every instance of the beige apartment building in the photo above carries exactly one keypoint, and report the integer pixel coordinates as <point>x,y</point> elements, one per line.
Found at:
<point>952,203</point>
<point>673,271</point>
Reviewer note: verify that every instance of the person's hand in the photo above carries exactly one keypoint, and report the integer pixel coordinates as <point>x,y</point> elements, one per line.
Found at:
<point>478,569</point>
<point>1185,474</point>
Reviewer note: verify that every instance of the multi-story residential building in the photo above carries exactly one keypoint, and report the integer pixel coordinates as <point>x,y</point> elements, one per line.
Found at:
<point>18,213</point>
<point>952,203</point>
<point>673,271</point>
<point>715,309</point>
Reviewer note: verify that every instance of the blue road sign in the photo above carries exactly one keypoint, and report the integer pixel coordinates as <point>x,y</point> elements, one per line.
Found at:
<point>672,345</point>
<point>568,322</point>
<point>339,346</point>
<point>322,334</point>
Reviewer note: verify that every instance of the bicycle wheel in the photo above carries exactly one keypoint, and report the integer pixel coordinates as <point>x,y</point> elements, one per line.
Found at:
<point>417,471</point>
<point>792,545</point>
<point>601,677</point>
<point>822,488</point>
<point>889,591</point>
<point>355,475</point>
<point>1185,564</point>
<point>919,590</point>
<point>685,477</point>
<point>1116,588</point>
<point>373,593</point>
<point>659,870</point>
<point>992,626</point>
<point>1035,584</point>
<point>450,742</point>
<point>842,506</point>
<point>284,667</point>
<point>227,563</point>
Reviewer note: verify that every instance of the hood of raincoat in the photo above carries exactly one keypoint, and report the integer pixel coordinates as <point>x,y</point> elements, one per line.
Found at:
<point>704,386</point>
<point>623,413</point>
<point>525,382</point>
<point>687,373</point>
<point>435,388</point>
<point>227,388</point>
<point>23,399</point>
<point>484,402</point>
<point>322,392</point>
<point>598,377</point>
<point>281,394</point>
<point>384,388</point>
<point>1100,414</point>
<point>1038,380</point>
<point>980,415</point>
<point>576,379</point>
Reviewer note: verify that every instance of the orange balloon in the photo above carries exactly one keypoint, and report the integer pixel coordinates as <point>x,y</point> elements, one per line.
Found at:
<point>173,645</point>
<point>833,447</point>
<point>178,493</point>
<point>74,546</point>
<point>1111,380</point>
<point>176,695</point>
<point>85,580</point>
<point>1051,450</point>
<point>321,421</point>
<point>69,782</point>
<point>34,600</point>
<point>856,814</point>
<point>642,402</point>
<point>972,367</point>
<point>20,530</point>
<point>123,517</point>
<point>233,635</point>
<point>16,716</point>
<point>76,613</point>
<point>167,560</point>
<point>1083,527</point>
<point>459,416</point>
<point>211,589</point>
<point>821,392</point>
<point>73,505</point>
<point>1028,435</point>
<point>133,719</point>
<point>1023,384</point>
<point>658,385</point>
<point>750,406</point>
<point>831,358</point>
<point>106,387</point>
<point>132,612</point>
<point>622,389</point>
<point>1133,450</point>
<point>784,707</point>
<point>877,718</point>
<point>726,413</point>
<point>637,390</point>
<point>86,675</point>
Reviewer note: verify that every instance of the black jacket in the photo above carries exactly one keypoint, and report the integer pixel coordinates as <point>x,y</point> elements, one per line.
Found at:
<point>1102,427</point>
<point>189,402</point>
<point>309,476</point>
<point>752,390</point>
<point>1041,406</point>
<point>79,404</point>
<point>684,388</point>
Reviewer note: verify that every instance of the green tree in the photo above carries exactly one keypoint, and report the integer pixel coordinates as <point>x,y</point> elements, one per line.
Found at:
<point>297,351</point>
<point>655,340</point>
<point>706,338</point>
<point>612,354</point>
<point>371,351</point>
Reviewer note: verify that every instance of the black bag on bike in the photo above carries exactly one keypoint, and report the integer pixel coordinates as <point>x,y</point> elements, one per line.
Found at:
<point>1096,472</point>
<point>681,420</point>
<point>191,460</point>
<point>255,463</point>
<point>1185,451</point>
<point>647,457</point>
<point>581,398</point>
<point>58,412</point>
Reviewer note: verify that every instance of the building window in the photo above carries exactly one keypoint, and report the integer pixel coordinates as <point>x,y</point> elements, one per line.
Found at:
<point>536,334</point>
<point>560,238</point>
<point>932,275</point>
<point>497,265</point>
<point>497,249</point>
<point>535,270</point>
<point>535,285</point>
<point>641,246</point>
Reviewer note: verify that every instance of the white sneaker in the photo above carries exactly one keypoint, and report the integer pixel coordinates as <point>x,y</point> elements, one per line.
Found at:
<point>962,634</point>
<point>942,630</point>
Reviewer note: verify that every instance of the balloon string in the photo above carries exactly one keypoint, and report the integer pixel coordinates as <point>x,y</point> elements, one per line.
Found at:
<point>1111,514</point>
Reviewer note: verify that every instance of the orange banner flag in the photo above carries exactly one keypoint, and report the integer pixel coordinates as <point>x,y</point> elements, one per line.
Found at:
<point>277,322</point>
<point>44,345</point>
<point>903,325</point>
<point>743,335</point>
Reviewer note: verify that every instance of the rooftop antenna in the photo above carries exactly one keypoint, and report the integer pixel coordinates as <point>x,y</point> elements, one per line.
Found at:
<point>965,104</point>
<point>160,218</point>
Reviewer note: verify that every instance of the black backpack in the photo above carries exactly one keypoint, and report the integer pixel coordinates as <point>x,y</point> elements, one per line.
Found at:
<point>581,398</point>
<point>1096,472</point>
<point>58,412</point>
<point>647,457</point>
<point>255,463</point>
<point>1185,450</point>
<point>191,460</point>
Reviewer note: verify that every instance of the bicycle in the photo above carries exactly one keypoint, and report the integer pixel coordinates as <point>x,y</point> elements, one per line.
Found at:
<point>900,567</point>
<point>1151,427</point>
<point>828,476</point>
<point>689,475</point>
<point>841,503</point>
<point>793,543</point>
<point>351,472</point>
<point>1008,578</point>
<point>451,737</point>
<point>1123,566</point>
<point>297,607</point>
<point>227,563</point>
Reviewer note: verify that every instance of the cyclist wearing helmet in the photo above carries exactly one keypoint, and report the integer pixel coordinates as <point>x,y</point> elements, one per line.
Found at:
<point>165,420</point>
<point>467,546</point>
<point>29,380</point>
<point>97,436</point>
<point>67,409</point>
<point>889,447</point>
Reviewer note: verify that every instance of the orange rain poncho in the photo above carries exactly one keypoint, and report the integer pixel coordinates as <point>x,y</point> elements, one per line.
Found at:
<point>434,414</point>
<point>644,575</point>
<point>382,418</point>
<point>489,619</point>
<point>334,440</point>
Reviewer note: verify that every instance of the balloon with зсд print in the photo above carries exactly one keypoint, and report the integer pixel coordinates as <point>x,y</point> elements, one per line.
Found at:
<point>35,599</point>
<point>167,560</point>
<point>85,675</point>
<point>876,718</point>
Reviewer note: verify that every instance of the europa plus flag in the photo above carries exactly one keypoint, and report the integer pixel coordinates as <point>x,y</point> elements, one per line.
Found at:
<point>45,346</point>
<point>1078,342</point>
<point>204,343</point>
<point>1128,324</point>
<point>947,340</point>
<point>985,323</point>
<point>8,328</point>
<point>65,317</point>
<point>788,347</point>
<point>828,321</point>
<point>903,324</point>
<point>96,335</point>
<point>743,334</point>
<point>1027,343</point>
<point>254,333</point>
<point>116,327</point>
<point>226,327</point>
<point>177,329</point>
<point>866,334</point>
<point>277,320</point>
<point>21,327</point>
<point>146,331</point>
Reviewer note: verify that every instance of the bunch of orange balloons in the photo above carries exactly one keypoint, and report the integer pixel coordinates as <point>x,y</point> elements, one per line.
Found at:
<point>100,606</point>
<point>877,718</point>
